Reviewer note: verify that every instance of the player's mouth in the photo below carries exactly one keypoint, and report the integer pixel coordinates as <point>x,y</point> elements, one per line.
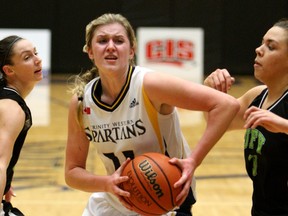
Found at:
<point>111,57</point>
<point>257,64</point>
<point>38,71</point>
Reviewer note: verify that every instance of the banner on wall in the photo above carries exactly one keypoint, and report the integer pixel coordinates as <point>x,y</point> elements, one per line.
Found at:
<point>39,99</point>
<point>176,51</point>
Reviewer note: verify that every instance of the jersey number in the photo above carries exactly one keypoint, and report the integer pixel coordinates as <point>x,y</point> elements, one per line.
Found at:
<point>115,160</point>
<point>254,161</point>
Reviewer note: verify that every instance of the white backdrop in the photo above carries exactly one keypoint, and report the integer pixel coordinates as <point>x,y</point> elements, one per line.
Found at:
<point>177,51</point>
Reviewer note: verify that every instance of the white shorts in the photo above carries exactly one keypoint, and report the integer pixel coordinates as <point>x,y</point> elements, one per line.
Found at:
<point>2,213</point>
<point>104,204</point>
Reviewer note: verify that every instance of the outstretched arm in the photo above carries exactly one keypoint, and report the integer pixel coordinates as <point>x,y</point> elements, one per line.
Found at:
<point>221,80</point>
<point>167,92</point>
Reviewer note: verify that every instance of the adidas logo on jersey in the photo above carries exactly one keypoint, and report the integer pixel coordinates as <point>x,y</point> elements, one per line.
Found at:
<point>134,103</point>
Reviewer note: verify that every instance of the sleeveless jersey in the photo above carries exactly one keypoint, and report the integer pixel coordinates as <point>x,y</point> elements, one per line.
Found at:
<point>131,125</point>
<point>266,158</point>
<point>9,93</point>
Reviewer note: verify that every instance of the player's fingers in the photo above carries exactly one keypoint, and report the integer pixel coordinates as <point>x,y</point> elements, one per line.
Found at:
<point>121,179</point>
<point>121,192</point>
<point>120,169</point>
<point>223,80</point>
<point>229,80</point>
<point>249,111</point>
<point>183,194</point>
<point>181,181</point>
<point>176,162</point>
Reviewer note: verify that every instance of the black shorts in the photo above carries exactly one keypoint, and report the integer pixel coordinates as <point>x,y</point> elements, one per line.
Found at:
<point>186,208</point>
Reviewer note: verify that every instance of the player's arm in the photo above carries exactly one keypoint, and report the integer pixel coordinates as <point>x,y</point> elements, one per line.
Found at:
<point>245,100</point>
<point>12,119</point>
<point>166,91</point>
<point>221,80</point>
<point>77,148</point>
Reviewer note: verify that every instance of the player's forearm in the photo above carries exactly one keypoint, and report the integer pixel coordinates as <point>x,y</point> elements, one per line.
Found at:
<point>2,181</point>
<point>218,121</point>
<point>81,179</point>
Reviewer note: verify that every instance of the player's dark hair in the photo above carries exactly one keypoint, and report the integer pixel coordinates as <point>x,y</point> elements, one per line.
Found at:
<point>283,23</point>
<point>6,53</point>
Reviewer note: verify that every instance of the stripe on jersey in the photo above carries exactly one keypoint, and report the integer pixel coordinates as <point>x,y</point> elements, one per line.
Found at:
<point>122,94</point>
<point>153,116</point>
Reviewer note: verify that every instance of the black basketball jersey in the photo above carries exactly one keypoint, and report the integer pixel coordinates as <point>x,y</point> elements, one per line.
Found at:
<point>266,158</point>
<point>8,93</point>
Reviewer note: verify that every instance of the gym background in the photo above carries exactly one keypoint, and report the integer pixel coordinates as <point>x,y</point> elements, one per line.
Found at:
<point>232,28</point>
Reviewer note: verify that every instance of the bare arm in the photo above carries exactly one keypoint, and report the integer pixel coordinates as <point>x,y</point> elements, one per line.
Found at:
<point>166,92</point>
<point>222,81</point>
<point>12,119</point>
<point>77,148</point>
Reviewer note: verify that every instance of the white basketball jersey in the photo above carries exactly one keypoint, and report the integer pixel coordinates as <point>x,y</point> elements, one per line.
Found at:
<point>131,125</point>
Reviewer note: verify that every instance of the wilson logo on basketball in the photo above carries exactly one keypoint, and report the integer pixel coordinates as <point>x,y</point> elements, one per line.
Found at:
<point>151,176</point>
<point>133,189</point>
<point>150,184</point>
<point>174,51</point>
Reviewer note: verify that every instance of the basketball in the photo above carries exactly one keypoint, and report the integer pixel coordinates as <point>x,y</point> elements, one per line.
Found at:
<point>151,180</point>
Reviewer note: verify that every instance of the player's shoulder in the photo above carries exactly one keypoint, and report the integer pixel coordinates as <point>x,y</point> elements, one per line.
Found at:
<point>11,108</point>
<point>251,94</point>
<point>255,91</point>
<point>9,104</point>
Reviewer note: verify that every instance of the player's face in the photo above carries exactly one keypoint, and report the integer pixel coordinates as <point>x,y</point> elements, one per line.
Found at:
<point>110,48</point>
<point>27,66</point>
<point>272,56</point>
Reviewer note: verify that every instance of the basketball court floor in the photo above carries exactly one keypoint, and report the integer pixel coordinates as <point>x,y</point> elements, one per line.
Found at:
<point>223,187</point>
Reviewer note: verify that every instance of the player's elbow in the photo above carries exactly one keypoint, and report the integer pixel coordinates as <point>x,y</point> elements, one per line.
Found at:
<point>231,104</point>
<point>68,177</point>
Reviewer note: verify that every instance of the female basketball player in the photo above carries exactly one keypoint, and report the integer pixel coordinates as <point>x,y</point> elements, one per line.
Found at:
<point>264,114</point>
<point>127,110</point>
<point>20,70</point>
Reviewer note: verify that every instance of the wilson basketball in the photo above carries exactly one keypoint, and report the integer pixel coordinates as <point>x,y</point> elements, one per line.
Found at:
<point>151,180</point>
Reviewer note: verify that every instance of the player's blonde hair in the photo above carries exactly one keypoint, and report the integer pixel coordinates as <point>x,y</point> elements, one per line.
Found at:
<point>82,79</point>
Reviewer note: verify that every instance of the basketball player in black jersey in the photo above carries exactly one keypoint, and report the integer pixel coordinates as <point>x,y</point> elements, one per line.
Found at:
<point>20,70</point>
<point>264,114</point>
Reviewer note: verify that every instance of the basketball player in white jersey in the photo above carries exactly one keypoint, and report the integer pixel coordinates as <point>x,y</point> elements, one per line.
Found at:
<point>126,110</point>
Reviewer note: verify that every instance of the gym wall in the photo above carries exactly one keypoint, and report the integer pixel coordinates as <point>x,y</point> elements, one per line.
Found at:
<point>233,28</point>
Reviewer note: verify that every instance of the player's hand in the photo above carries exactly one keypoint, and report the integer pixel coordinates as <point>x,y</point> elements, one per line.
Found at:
<point>116,181</point>
<point>9,195</point>
<point>187,167</point>
<point>255,116</point>
<point>220,80</point>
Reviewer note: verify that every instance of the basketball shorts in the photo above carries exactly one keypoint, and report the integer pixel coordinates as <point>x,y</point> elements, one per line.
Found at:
<point>104,204</point>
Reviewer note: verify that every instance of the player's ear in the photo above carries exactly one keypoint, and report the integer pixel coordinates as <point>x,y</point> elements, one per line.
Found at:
<point>132,53</point>
<point>7,69</point>
<point>90,54</point>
